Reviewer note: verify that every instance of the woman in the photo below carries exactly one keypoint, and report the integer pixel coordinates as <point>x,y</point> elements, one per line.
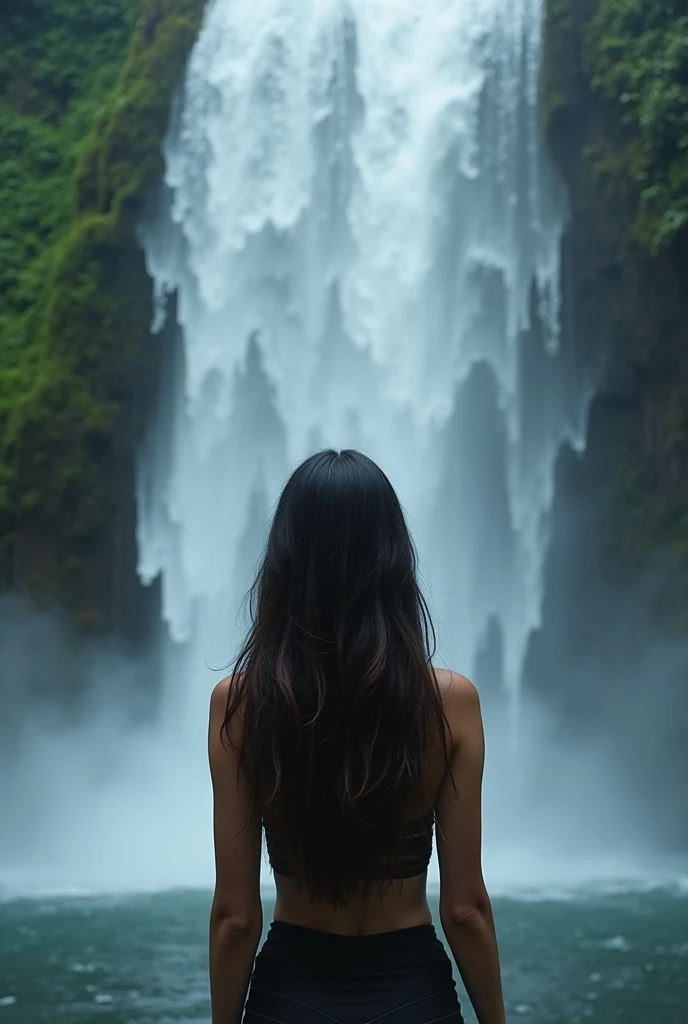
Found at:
<point>336,736</point>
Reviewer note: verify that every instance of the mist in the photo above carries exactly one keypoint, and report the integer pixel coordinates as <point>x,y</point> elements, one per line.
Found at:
<point>113,796</point>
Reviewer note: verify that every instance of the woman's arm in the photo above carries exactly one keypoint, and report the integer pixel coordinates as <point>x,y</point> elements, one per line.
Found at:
<point>465,910</point>
<point>233,946</point>
<point>236,918</point>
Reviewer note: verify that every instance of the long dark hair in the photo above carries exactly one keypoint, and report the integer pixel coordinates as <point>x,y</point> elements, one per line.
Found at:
<point>339,704</point>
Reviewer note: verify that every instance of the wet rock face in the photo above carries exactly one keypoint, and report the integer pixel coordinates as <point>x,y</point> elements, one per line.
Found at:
<point>627,264</point>
<point>611,655</point>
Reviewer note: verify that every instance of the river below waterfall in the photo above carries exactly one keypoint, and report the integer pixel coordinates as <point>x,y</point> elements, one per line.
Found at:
<point>592,957</point>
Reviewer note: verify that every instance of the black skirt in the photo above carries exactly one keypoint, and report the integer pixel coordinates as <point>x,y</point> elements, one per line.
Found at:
<point>306,976</point>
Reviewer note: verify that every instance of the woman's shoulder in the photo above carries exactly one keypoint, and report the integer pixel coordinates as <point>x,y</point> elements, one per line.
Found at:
<point>456,689</point>
<point>226,688</point>
<point>460,699</point>
<point>225,709</point>
<point>219,697</point>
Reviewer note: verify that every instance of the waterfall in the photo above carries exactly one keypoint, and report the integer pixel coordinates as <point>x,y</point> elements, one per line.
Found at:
<point>362,231</point>
<point>357,243</point>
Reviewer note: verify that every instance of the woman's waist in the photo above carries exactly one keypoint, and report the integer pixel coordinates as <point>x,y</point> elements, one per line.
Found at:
<point>400,904</point>
<point>394,947</point>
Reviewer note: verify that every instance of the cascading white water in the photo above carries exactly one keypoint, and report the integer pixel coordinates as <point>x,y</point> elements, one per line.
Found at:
<point>363,232</point>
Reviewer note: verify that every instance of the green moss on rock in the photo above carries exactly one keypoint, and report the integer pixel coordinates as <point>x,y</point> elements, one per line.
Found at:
<point>74,330</point>
<point>125,159</point>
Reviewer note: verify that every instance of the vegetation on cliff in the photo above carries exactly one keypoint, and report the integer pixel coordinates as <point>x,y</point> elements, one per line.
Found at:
<point>616,108</point>
<point>57,65</point>
<point>616,75</point>
<point>85,91</point>
<point>638,56</point>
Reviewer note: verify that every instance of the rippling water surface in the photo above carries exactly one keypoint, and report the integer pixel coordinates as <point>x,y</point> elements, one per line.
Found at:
<point>142,959</point>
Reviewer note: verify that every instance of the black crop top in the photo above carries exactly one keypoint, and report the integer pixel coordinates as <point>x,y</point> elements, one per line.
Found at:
<point>414,861</point>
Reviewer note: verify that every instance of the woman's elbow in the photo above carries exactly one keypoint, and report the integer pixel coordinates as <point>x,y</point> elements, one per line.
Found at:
<point>233,925</point>
<point>467,912</point>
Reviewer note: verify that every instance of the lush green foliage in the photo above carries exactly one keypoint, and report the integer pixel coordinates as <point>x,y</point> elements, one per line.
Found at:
<point>638,56</point>
<point>86,90</point>
<point>59,60</point>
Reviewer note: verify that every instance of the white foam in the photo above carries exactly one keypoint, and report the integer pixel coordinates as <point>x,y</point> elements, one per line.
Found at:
<point>369,194</point>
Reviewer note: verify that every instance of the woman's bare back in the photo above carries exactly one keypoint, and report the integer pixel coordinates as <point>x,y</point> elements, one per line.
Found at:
<point>405,904</point>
